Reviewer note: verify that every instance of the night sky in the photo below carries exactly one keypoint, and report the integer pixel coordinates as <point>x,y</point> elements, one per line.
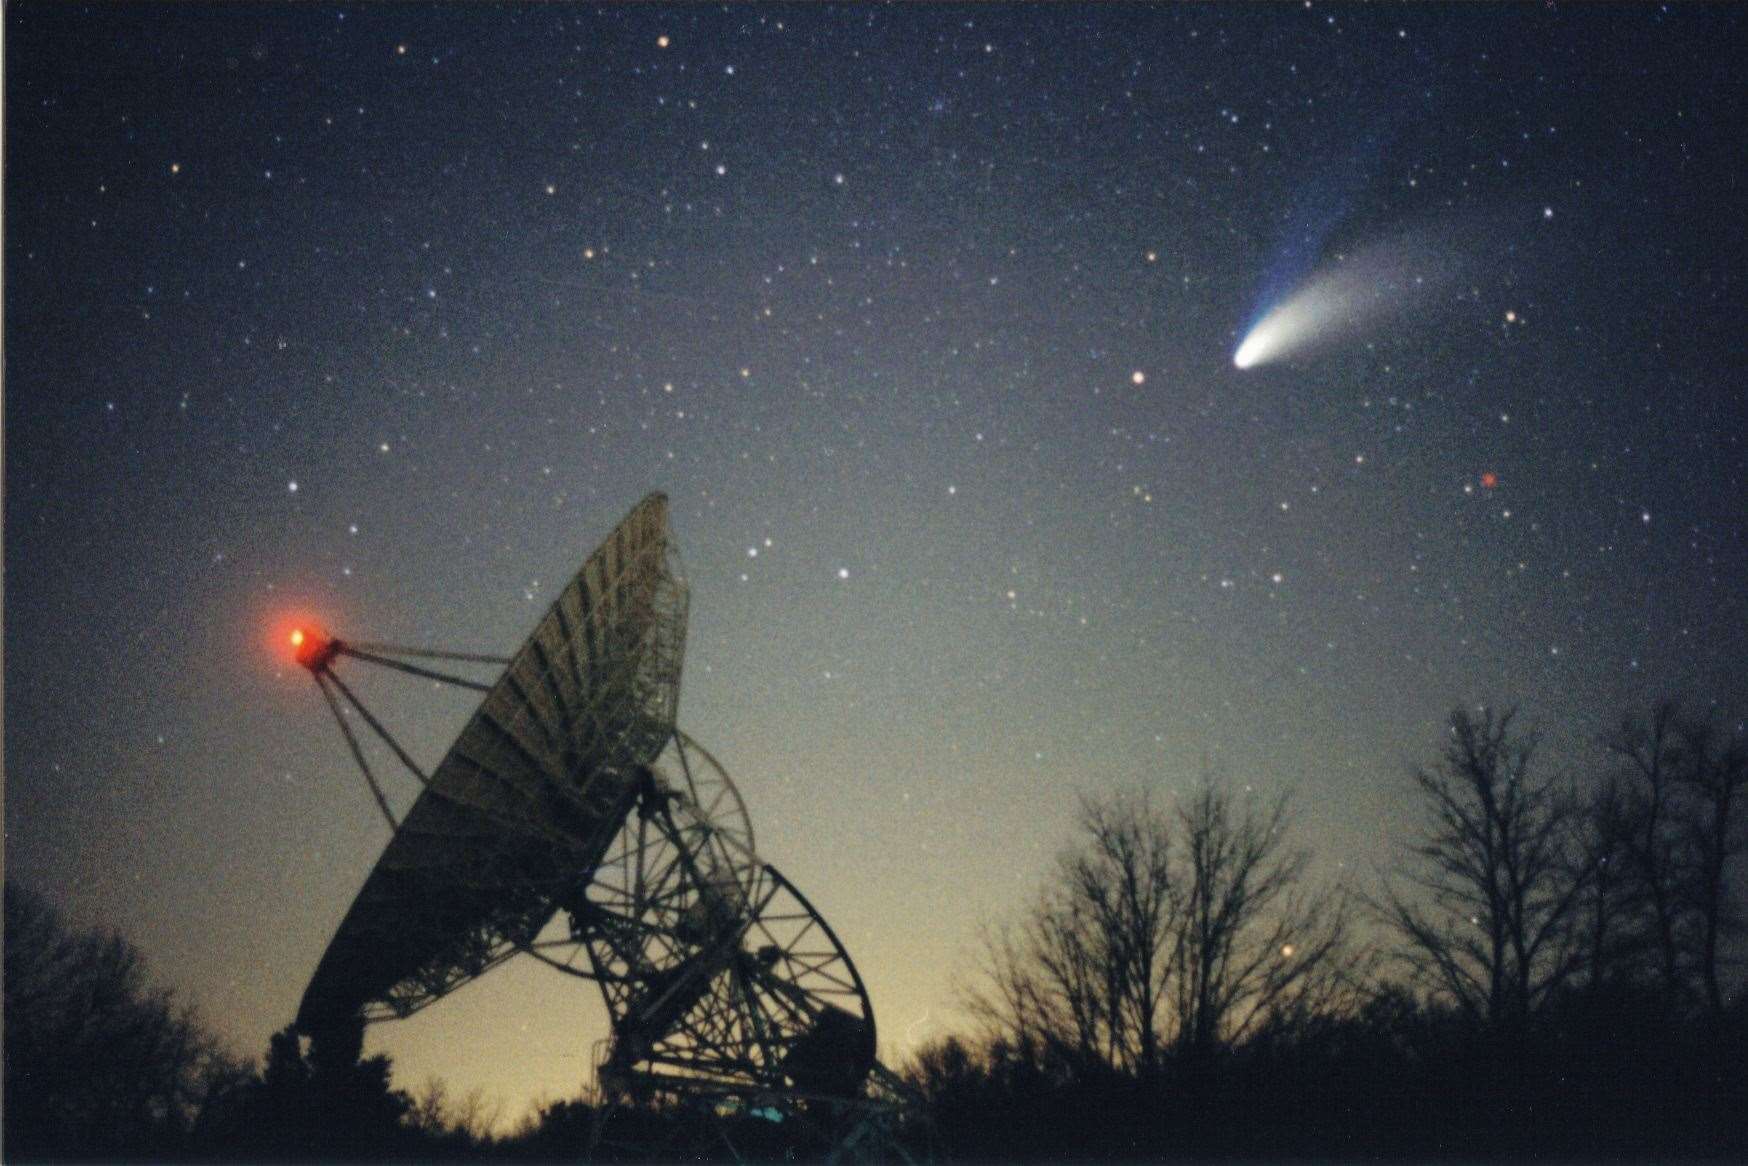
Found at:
<point>925,318</point>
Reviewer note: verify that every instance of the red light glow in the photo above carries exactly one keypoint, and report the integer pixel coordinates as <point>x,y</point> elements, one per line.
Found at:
<point>313,649</point>
<point>297,636</point>
<point>1489,480</point>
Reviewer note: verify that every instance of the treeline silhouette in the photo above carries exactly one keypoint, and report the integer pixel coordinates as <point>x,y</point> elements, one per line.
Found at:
<point>1549,968</point>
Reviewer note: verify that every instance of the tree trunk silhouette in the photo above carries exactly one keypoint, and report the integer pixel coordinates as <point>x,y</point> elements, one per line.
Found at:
<point>1490,919</point>
<point>1649,750</point>
<point>1605,852</point>
<point>1712,770</point>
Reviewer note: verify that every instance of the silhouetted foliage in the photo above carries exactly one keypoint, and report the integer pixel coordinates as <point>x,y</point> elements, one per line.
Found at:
<point>98,1063</point>
<point>1592,1076</point>
<point>1492,920</point>
<point>1535,1020</point>
<point>1654,846</point>
<point>1176,929</point>
<point>1178,990</point>
<point>1684,824</point>
<point>1608,910</point>
<point>458,1125</point>
<point>301,1109</point>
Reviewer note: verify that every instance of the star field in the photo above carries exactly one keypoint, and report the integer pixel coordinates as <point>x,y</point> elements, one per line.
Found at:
<point>924,317</point>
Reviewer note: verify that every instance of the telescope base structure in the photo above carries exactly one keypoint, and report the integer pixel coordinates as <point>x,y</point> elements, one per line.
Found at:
<point>738,1019</point>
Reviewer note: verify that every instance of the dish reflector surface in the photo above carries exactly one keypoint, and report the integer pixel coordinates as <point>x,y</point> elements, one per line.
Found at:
<point>520,810</point>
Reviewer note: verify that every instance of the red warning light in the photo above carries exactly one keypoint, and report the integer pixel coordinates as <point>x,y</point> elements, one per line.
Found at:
<point>312,649</point>
<point>1489,480</point>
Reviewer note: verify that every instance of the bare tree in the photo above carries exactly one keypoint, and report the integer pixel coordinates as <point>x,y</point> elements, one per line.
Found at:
<point>1687,825</point>
<point>1712,771</point>
<point>1650,752</point>
<point>434,1112</point>
<point>1080,976</point>
<point>1180,929</point>
<point>1249,945</point>
<point>1610,902</point>
<point>1122,880</point>
<point>477,1115</point>
<point>429,1108</point>
<point>1086,979</point>
<point>1498,878</point>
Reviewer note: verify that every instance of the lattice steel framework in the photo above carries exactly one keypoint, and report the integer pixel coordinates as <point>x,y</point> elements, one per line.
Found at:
<point>571,792</point>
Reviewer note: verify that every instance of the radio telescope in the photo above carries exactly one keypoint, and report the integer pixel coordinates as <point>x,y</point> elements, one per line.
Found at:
<point>573,822</point>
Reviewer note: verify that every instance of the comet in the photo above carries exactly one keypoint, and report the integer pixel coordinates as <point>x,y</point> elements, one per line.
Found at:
<point>1347,295</point>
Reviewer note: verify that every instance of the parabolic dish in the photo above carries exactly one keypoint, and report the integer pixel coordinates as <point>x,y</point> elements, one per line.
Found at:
<point>521,809</point>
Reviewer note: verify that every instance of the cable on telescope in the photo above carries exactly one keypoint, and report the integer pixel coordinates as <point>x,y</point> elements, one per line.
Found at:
<point>376,725</point>
<point>356,653</point>
<point>352,744</point>
<point>430,653</point>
